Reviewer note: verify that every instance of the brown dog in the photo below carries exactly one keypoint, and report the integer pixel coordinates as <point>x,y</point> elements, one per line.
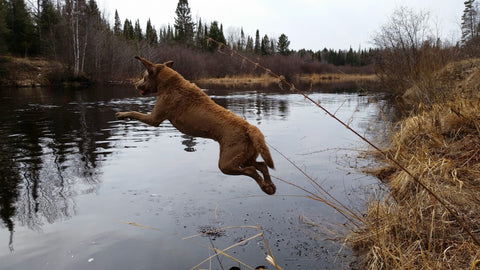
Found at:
<point>192,112</point>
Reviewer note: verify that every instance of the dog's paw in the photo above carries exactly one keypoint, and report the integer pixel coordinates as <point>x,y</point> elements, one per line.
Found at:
<point>121,115</point>
<point>269,189</point>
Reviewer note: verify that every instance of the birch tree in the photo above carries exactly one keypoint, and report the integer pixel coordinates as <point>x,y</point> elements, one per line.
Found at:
<point>75,14</point>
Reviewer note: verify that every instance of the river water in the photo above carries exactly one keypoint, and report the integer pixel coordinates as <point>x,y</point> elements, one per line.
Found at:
<point>80,189</point>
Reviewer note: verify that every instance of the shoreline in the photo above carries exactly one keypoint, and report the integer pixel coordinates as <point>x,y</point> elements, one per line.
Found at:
<point>37,72</point>
<point>406,226</point>
<point>266,81</point>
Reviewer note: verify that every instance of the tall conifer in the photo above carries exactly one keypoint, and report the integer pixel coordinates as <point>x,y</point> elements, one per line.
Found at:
<point>283,44</point>
<point>4,30</point>
<point>184,26</point>
<point>256,48</point>
<point>20,38</point>
<point>151,33</point>
<point>117,26</point>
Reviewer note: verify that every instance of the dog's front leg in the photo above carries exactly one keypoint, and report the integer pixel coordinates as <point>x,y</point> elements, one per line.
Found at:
<point>155,118</point>
<point>149,119</point>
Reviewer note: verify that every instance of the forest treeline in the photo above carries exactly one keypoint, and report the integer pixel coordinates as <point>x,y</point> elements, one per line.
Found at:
<point>76,34</point>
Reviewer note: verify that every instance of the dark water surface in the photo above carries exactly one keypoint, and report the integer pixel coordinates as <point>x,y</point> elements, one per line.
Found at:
<point>71,175</point>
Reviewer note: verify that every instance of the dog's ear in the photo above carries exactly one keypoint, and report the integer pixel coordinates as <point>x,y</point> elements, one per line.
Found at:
<point>168,64</point>
<point>148,65</point>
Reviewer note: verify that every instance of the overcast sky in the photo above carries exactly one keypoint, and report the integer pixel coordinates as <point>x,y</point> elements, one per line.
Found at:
<point>310,24</point>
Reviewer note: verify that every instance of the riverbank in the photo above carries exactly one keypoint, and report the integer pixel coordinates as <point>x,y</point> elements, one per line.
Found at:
<point>267,80</point>
<point>36,72</point>
<point>306,81</point>
<point>26,72</point>
<point>439,144</point>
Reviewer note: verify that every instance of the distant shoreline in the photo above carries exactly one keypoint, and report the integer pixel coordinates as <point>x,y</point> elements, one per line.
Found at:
<point>303,78</point>
<point>306,82</point>
<point>25,73</point>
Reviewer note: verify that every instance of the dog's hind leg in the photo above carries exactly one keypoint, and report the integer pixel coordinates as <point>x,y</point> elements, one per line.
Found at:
<point>252,172</point>
<point>232,165</point>
<point>262,167</point>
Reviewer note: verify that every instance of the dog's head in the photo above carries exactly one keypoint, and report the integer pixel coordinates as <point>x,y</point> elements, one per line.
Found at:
<point>150,77</point>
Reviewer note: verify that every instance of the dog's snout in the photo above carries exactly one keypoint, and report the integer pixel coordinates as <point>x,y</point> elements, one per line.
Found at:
<point>140,86</point>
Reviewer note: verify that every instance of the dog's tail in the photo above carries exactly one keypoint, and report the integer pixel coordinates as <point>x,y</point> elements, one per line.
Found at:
<point>259,143</point>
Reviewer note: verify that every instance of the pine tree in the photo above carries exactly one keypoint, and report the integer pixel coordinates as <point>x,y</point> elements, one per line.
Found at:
<point>170,34</point>
<point>340,60</point>
<point>50,27</point>
<point>273,46</point>
<point>200,36</point>
<point>215,32</point>
<point>137,31</point>
<point>151,33</point>
<point>351,58</point>
<point>184,25</point>
<point>470,21</point>
<point>4,30</point>
<point>265,46</point>
<point>256,48</point>
<point>283,44</point>
<point>166,35</point>
<point>94,17</point>
<point>128,32</point>
<point>117,26</point>
<point>249,45</point>
<point>242,41</point>
<point>21,29</point>
<point>324,55</point>
<point>222,36</point>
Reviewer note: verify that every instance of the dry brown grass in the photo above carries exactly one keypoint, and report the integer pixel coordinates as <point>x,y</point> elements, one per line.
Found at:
<point>266,80</point>
<point>460,78</point>
<point>26,72</point>
<point>408,228</point>
<point>335,77</point>
<point>237,81</point>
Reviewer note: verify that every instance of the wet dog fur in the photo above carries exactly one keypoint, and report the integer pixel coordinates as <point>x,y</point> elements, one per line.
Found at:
<point>192,112</point>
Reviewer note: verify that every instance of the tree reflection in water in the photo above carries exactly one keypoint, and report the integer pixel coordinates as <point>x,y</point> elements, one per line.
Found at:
<point>54,141</point>
<point>48,153</point>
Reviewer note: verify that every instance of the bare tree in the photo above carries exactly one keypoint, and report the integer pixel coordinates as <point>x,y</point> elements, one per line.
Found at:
<point>233,37</point>
<point>75,15</point>
<point>400,42</point>
<point>410,56</point>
